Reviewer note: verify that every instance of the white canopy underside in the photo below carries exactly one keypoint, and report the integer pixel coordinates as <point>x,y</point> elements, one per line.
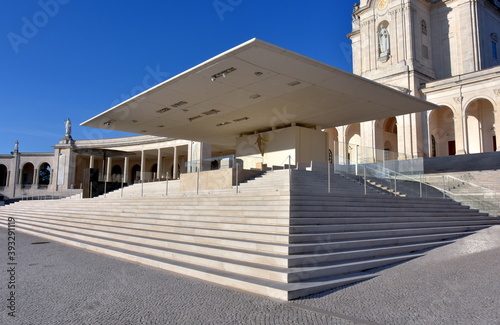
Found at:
<point>252,87</point>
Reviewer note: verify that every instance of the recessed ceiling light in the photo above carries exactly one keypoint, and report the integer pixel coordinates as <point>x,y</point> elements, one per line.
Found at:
<point>294,83</point>
<point>144,131</point>
<point>255,96</point>
<point>222,73</point>
<point>163,110</point>
<point>161,126</point>
<point>241,119</point>
<point>191,119</point>
<point>258,73</point>
<point>134,121</point>
<point>224,123</point>
<point>182,102</point>
<point>211,112</point>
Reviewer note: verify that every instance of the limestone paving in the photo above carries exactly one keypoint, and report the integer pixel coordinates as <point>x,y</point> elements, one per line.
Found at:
<point>61,284</point>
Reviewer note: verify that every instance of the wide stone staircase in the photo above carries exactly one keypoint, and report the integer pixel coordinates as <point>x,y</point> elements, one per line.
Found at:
<point>282,235</point>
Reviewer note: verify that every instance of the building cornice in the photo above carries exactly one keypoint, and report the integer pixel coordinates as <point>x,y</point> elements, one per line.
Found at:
<point>465,79</point>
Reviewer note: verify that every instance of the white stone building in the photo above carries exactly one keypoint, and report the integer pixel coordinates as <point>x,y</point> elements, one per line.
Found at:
<point>445,52</point>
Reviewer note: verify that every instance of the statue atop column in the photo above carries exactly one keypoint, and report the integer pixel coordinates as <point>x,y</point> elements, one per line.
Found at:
<point>67,139</point>
<point>16,146</point>
<point>384,43</point>
<point>67,124</point>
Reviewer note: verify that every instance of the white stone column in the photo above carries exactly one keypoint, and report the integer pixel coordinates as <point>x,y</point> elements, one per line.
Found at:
<point>91,163</point>
<point>125,170</point>
<point>158,165</point>
<point>174,164</point>
<point>108,169</point>
<point>35,177</point>
<point>143,164</point>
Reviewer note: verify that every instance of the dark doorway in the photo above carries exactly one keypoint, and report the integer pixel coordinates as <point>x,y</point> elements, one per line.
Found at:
<point>451,148</point>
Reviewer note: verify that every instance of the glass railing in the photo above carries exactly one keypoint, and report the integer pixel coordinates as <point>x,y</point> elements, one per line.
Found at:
<point>406,178</point>
<point>467,193</point>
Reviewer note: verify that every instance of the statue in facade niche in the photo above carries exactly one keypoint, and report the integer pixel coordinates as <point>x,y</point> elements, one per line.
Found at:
<point>67,124</point>
<point>384,42</point>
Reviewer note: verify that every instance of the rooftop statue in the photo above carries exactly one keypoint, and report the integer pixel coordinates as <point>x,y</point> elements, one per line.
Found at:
<point>67,124</point>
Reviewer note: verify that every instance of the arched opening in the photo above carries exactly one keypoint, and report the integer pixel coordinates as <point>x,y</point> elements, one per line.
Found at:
<point>333,142</point>
<point>3,175</point>
<point>390,138</point>
<point>154,171</point>
<point>44,173</point>
<point>136,173</point>
<point>480,120</point>
<point>27,174</point>
<point>116,173</point>
<point>442,132</point>
<point>353,138</point>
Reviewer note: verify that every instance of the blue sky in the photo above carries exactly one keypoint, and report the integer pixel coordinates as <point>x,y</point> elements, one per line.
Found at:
<point>74,58</point>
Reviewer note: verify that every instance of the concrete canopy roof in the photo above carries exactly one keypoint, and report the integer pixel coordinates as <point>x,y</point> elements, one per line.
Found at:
<point>254,87</point>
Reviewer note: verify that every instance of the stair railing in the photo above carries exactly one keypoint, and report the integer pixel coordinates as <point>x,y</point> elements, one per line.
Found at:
<point>468,193</point>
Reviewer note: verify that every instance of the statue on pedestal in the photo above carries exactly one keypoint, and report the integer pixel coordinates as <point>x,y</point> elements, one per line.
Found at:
<point>384,42</point>
<point>16,146</point>
<point>67,124</point>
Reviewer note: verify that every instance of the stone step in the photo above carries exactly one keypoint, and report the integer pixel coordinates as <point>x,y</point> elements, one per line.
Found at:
<point>215,236</point>
<point>278,238</point>
<point>282,291</point>
<point>313,267</point>
<point>344,231</point>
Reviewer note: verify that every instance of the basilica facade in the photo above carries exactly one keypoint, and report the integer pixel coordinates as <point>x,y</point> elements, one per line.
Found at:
<point>443,51</point>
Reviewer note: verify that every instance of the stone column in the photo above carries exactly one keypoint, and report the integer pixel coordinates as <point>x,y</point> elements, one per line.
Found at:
<point>143,164</point>
<point>91,164</point>
<point>35,177</point>
<point>158,164</point>
<point>108,169</point>
<point>174,164</point>
<point>460,135</point>
<point>125,170</point>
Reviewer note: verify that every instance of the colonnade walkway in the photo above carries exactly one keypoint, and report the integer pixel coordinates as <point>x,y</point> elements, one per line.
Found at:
<point>281,236</point>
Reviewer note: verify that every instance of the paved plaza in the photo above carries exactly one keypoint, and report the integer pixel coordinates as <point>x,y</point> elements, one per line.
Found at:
<point>60,284</point>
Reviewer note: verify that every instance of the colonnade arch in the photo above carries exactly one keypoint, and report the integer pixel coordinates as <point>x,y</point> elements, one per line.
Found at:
<point>386,138</point>
<point>44,174</point>
<point>27,174</point>
<point>353,140</point>
<point>442,132</point>
<point>480,126</point>
<point>136,173</point>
